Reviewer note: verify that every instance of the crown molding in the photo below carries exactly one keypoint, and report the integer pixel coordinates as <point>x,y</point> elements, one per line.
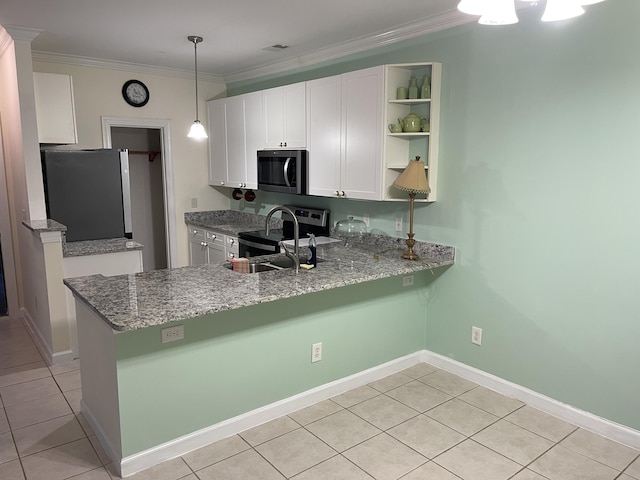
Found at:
<point>22,33</point>
<point>434,23</point>
<point>122,66</point>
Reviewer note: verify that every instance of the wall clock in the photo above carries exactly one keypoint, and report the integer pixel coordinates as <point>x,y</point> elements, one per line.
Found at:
<point>135,93</point>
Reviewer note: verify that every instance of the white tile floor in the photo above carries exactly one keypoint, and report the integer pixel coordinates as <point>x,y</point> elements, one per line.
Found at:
<point>423,423</point>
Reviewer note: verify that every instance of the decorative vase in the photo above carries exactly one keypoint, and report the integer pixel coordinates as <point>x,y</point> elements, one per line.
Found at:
<point>426,87</point>
<point>413,87</point>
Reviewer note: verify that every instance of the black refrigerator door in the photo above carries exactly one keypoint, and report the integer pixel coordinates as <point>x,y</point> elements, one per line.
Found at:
<point>85,191</point>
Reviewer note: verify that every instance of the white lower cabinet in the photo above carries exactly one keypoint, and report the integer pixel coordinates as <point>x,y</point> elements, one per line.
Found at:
<point>345,134</point>
<point>198,254</point>
<point>206,246</point>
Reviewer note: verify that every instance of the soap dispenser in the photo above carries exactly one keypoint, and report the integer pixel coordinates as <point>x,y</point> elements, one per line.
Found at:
<point>313,259</point>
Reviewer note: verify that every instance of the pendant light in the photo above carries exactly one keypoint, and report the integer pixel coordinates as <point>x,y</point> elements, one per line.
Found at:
<point>561,10</point>
<point>197,130</point>
<point>499,12</point>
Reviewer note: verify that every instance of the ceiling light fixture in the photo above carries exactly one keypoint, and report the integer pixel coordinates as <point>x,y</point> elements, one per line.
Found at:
<point>197,130</point>
<point>503,12</point>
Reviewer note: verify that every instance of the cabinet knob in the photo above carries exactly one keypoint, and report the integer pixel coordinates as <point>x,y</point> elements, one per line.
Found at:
<point>231,241</point>
<point>337,193</point>
<point>342,194</point>
<point>213,237</point>
<point>195,232</point>
<point>221,183</point>
<point>232,255</point>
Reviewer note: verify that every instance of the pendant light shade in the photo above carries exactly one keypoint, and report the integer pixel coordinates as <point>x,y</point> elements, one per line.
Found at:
<point>499,12</point>
<point>197,130</point>
<point>561,10</point>
<point>472,7</point>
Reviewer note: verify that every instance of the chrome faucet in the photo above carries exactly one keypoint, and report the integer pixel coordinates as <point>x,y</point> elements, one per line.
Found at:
<point>294,256</point>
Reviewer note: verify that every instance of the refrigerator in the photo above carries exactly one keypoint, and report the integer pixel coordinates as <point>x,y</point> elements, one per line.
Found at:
<point>88,192</point>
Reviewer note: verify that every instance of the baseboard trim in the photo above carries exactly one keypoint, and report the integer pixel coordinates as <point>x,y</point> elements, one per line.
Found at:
<point>41,344</point>
<point>97,430</point>
<point>36,335</point>
<point>601,426</point>
<point>140,461</point>
<point>187,443</point>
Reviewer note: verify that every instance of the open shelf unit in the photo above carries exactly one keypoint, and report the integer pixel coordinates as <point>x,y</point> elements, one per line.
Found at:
<point>399,148</point>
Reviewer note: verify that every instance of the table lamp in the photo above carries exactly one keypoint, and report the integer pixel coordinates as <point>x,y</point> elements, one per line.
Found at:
<point>413,180</point>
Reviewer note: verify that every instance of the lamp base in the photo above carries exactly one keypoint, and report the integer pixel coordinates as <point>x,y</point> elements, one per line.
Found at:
<point>409,254</point>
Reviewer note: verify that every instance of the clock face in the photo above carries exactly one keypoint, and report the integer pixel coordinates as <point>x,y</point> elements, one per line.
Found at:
<point>135,93</point>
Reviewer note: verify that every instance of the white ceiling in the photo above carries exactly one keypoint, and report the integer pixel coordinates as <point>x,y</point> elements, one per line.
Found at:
<point>237,33</point>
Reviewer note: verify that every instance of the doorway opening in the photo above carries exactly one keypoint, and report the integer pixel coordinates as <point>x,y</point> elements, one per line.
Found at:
<point>147,193</point>
<point>151,177</point>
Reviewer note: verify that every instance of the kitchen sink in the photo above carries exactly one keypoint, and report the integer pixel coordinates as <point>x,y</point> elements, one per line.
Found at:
<point>270,265</point>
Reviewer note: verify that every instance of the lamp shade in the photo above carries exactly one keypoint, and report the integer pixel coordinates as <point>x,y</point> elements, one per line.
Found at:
<point>499,12</point>
<point>413,179</point>
<point>561,10</point>
<point>197,131</point>
<point>472,7</point>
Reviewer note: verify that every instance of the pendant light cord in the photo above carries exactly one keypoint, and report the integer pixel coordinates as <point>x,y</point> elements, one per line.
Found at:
<point>196,40</point>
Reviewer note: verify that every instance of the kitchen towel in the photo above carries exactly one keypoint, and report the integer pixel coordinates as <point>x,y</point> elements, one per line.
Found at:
<point>240,265</point>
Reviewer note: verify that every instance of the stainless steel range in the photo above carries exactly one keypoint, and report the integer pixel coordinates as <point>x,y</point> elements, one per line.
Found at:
<point>311,220</point>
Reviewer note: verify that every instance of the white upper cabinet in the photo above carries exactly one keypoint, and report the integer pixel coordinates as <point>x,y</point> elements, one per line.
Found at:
<point>285,117</point>
<point>324,124</point>
<point>55,110</point>
<point>216,118</point>
<point>235,137</point>
<point>344,121</point>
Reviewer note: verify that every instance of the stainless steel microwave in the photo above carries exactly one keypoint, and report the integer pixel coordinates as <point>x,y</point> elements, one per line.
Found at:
<point>283,171</point>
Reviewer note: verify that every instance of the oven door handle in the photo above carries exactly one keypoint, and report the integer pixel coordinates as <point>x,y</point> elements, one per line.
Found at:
<point>261,246</point>
<point>286,171</point>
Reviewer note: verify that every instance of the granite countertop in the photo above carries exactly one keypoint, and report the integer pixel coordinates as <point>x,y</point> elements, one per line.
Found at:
<point>134,301</point>
<point>229,222</point>
<point>99,247</point>
<point>44,226</point>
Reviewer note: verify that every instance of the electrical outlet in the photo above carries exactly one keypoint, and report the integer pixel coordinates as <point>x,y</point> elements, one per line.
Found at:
<point>194,203</point>
<point>242,203</point>
<point>365,219</point>
<point>398,224</point>
<point>408,280</point>
<point>172,334</point>
<point>316,352</point>
<point>476,335</point>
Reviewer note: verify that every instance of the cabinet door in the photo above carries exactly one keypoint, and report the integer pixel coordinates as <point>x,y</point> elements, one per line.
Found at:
<point>295,127</point>
<point>55,111</point>
<point>254,135</point>
<point>216,113</point>
<point>324,134</point>
<point>235,120</point>
<point>362,103</point>
<point>215,248</point>
<point>284,116</point>
<point>273,101</point>
<point>197,246</point>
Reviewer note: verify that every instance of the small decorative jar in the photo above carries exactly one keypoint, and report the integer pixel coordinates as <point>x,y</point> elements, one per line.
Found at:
<point>401,93</point>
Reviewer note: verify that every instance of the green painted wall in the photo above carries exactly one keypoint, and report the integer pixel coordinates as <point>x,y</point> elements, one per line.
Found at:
<point>538,191</point>
<point>236,361</point>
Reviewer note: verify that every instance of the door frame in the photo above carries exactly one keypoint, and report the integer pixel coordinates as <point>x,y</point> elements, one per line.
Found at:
<point>167,172</point>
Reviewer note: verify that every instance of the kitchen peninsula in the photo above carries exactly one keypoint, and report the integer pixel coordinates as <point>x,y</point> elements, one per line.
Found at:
<point>246,351</point>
